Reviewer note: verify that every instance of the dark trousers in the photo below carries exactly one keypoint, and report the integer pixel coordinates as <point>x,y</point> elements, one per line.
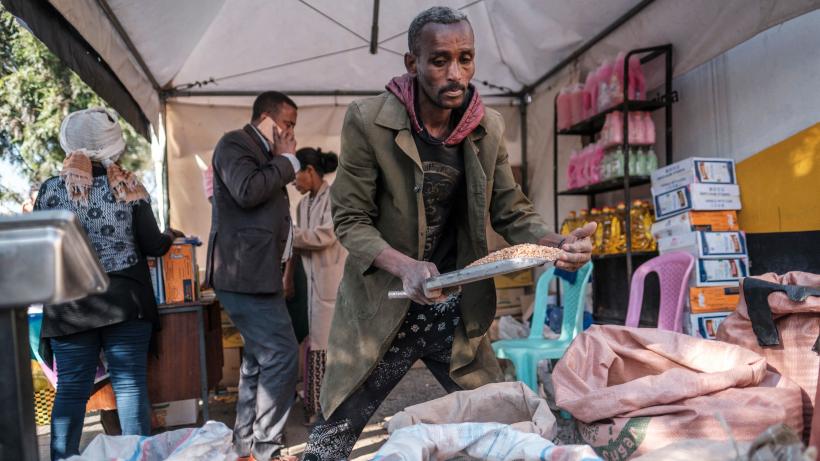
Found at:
<point>76,356</point>
<point>267,377</point>
<point>427,335</point>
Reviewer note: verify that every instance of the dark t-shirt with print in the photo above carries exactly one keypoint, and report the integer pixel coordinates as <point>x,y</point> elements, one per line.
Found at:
<point>443,191</point>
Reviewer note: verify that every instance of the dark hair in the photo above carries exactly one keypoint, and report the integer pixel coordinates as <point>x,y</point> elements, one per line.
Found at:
<point>270,101</point>
<point>322,162</point>
<point>436,15</point>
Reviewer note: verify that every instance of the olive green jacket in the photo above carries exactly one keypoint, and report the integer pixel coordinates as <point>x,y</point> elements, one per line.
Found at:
<point>377,202</point>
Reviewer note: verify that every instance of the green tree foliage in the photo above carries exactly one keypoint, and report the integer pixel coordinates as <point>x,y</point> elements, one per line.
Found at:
<point>36,92</point>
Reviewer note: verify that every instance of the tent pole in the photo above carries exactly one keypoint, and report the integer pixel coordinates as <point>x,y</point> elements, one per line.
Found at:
<point>587,45</point>
<point>374,31</point>
<point>524,101</point>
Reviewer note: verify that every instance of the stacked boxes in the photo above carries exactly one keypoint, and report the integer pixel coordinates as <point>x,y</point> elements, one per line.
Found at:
<point>696,202</point>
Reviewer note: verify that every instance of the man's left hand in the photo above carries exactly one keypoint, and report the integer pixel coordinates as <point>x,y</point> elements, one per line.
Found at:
<point>577,248</point>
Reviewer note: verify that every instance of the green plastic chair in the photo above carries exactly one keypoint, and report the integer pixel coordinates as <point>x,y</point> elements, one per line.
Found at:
<point>525,353</point>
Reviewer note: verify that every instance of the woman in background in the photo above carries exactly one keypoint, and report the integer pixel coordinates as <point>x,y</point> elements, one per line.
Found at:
<point>115,211</point>
<point>323,258</point>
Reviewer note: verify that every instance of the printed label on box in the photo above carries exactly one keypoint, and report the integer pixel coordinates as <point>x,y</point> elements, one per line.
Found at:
<point>713,299</point>
<point>714,171</point>
<point>706,325</point>
<point>693,171</point>
<point>721,271</point>
<point>722,244</point>
<point>178,268</point>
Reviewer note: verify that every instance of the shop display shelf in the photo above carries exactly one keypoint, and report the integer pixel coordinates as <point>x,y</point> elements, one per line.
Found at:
<point>607,186</point>
<point>594,124</point>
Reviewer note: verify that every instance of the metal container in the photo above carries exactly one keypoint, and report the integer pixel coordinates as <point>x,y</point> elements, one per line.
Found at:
<point>46,258</point>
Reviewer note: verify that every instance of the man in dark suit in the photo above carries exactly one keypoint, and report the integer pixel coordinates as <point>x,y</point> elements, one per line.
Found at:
<point>249,241</point>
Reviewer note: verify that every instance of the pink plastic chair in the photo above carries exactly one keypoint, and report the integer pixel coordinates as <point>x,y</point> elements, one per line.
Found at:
<point>673,271</point>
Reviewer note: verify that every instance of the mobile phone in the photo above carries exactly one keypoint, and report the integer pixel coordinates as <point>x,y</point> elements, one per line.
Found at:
<point>266,127</point>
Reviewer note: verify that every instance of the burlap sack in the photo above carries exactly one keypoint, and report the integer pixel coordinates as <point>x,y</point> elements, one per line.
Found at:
<point>799,326</point>
<point>637,390</point>
<point>507,403</point>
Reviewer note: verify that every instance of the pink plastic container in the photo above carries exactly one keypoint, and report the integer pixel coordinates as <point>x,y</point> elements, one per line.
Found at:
<point>576,99</point>
<point>591,87</point>
<point>596,157</point>
<point>564,110</point>
<point>604,74</point>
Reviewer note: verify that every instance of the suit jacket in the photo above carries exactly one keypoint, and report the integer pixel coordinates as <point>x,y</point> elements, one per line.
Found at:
<point>376,201</point>
<point>251,215</point>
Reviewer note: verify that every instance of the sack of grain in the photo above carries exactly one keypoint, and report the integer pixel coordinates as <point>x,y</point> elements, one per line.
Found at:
<point>798,325</point>
<point>637,390</point>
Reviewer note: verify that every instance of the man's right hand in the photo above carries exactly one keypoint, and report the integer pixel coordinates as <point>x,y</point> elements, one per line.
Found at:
<point>284,143</point>
<point>413,275</point>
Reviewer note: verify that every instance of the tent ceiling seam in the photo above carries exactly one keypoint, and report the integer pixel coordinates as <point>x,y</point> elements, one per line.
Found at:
<point>112,18</point>
<point>334,21</point>
<point>407,30</point>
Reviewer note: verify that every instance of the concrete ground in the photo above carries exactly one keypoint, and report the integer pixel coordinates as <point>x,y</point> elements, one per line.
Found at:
<point>416,387</point>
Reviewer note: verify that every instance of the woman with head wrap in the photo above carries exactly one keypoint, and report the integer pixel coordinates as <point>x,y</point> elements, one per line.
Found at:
<point>114,209</point>
<point>323,258</point>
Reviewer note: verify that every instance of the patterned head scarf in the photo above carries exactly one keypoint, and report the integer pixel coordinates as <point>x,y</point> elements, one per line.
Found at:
<point>95,135</point>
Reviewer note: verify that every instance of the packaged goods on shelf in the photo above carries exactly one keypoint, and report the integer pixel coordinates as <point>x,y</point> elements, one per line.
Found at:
<point>693,170</point>
<point>706,325</point>
<point>155,269</point>
<point>706,245</point>
<point>180,274</point>
<point>697,197</point>
<point>594,164</point>
<point>713,299</point>
<point>641,129</point>
<point>716,272</point>
<point>713,221</point>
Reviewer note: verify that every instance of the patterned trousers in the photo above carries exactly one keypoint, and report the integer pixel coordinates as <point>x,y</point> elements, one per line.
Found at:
<point>427,335</point>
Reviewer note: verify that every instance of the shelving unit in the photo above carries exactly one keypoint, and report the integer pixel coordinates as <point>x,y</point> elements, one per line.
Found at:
<point>588,129</point>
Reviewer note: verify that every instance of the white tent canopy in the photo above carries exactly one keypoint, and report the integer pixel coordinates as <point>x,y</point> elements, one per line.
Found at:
<point>191,65</point>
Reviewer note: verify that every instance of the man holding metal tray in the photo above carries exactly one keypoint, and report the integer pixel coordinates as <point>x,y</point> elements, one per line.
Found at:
<point>423,168</point>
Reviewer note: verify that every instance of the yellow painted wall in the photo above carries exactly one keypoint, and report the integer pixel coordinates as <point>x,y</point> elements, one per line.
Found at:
<point>780,186</point>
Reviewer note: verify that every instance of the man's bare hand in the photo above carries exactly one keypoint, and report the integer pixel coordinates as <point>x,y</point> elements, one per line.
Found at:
<point>577,248</point>
<point>413,276</point>
<point>284,143</point>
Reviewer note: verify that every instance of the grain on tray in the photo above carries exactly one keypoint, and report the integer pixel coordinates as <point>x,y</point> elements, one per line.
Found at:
<point>527,250</point>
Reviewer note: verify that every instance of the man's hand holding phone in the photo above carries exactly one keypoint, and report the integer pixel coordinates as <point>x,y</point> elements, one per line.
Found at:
<point>282,141</point>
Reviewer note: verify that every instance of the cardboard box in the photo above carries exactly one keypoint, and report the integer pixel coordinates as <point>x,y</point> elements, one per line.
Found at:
<point>717,272</point>
<point>177,413</point>
<point>155,269</point>
<point>706,325</point>
<point>509,297</point>
<point>712,221</point>
<point>708,245</point>
<point>693,170</point>
<point>713,299</point>
<point>179,274</point>
<point>698,197</point>
<point>231,361</point>
<point>514,280</point>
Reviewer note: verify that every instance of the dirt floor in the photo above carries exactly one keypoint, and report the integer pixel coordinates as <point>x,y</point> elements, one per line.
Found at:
<point>416,387</point>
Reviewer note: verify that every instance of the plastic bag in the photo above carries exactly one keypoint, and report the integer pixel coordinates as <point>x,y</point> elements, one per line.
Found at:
<point>488,441</point>
<point>211,442</point>
<point>510,328</point>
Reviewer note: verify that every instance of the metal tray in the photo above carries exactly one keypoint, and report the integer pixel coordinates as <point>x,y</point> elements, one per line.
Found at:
<point>46,258</point>
<point>475,273</point>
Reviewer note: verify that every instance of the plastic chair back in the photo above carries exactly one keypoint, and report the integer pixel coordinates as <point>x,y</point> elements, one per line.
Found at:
<point>673,271</point>
<point>572,300</point>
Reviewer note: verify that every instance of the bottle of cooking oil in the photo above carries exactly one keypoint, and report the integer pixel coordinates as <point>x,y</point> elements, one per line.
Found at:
<point>569,224</point>
<point>638,226</point>
<point>606,225</point>
<point>598,237</point>
<point>617,241</point>
<point>649,219</point>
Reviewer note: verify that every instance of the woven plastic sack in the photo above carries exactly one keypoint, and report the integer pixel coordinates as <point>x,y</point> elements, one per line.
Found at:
<point>211,442</point>
<point>798,324</point>
<point>485,441</point>
<point>510,403</point>
<point>637,390</point>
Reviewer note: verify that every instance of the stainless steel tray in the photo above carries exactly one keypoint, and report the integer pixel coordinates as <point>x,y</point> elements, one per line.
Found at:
<point>474,274</point>
<point>46,258</point>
